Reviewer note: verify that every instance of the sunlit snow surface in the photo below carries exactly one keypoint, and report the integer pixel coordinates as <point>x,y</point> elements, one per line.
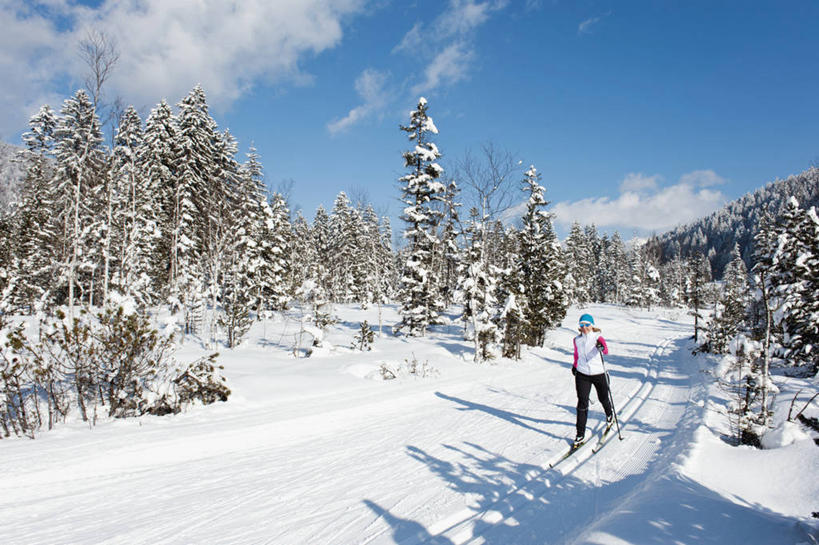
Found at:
<point>321,450</point>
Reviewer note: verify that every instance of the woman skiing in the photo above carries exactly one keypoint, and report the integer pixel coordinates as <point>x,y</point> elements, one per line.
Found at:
<point>588,371</point>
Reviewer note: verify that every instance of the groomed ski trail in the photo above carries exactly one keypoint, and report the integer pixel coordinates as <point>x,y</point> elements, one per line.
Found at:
<point>648,415</point>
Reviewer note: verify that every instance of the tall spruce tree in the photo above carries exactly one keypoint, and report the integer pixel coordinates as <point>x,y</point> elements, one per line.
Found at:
<point>730,318</point>
<point>34,234</point>
<point>542,265</point>
<point>420,190</point>
<point>81,160</point>
<point>158,159</point>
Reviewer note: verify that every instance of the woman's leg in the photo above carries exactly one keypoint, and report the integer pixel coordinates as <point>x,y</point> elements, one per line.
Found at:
<point>582,384</point>
<point>602,387</point>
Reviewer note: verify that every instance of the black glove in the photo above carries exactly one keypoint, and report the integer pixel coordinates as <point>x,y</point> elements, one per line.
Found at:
<point>574,371</point>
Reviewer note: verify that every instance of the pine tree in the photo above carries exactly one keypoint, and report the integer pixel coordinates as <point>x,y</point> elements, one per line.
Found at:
<point>543,268</point>
<point>512,324</point>
<point>699,271</point>
<point>795,277</point>
<point>765,245</point>
<point>420,189</point>
<point>730,320</point>
<point>80,169</point>
<point>580,265</point>
<point>134,214</point>
<point>450,232</point>
<point>476,287</point>
<point>158,158</point>
<point>198,193</point>
<point>33,233</point>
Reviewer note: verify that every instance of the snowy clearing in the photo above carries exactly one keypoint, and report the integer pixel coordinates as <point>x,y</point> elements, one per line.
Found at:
<point>319,450</point>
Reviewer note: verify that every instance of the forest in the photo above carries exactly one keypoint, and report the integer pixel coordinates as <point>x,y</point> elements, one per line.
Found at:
<point>167,221</point>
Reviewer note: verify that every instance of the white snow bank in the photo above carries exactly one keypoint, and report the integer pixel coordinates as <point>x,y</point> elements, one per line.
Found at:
<point>784,434</point>
<point>782,480</point>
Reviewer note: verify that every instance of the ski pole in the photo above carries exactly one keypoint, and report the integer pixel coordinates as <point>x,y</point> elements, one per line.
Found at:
<point>611,396</point>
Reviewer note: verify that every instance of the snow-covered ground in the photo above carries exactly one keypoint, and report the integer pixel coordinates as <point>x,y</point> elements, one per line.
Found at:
<point>319,450</point>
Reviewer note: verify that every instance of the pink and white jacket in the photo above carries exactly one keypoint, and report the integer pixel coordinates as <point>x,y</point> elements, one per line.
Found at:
<point>586,359</point>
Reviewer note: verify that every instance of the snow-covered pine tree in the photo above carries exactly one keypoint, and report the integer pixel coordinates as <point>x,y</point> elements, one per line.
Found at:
<point>580,265</point>
<point>476,290</point>
<point>321,238</point>
<point>345,265</point>
<point>645,278</point>
<point>797,282</point>
<point>135,227</point>
<point>420,189</point>
<point>33,235</point>
<point>765,246</point>
<point>81,161</point>
<point>240,290</point>
<point>730,319</point>
<point>699,274</point>
<point>303,254</point>
<point>158,158</point>
<point>277,237</point>
<point>450,232</point>
<point>513,328</point>
<point>543,268</point>
<point>198,193</point>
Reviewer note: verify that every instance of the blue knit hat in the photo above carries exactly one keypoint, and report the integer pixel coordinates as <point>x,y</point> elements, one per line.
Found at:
<point>586,319</point>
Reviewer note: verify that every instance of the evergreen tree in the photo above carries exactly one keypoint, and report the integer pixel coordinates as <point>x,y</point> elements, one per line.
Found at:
<point>477,286</point>
<point>730,320</point>
<point>580,266</point>
<point>795,277</point>
<point>158,158</point>
<point>699,271</point>
<point>420,189</point>
<point>543,268</point>
<point>81,161</point>
<point>198,194</point>
<point>133,209</point>
<point>33,234</point>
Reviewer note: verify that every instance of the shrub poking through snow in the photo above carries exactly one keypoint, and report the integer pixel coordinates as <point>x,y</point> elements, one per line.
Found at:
<point>202,381</point>
<point>365,337</point>
<point>410,367</point>
<point>112,363</point>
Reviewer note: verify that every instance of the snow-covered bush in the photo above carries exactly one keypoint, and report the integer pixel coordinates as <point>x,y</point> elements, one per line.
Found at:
<point>410,367</point>
<point>753,392</point>
<point>112,363</point>
<point>365,337</point>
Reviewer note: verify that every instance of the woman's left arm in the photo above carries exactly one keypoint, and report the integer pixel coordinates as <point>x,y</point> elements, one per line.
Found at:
<point>601,344</point>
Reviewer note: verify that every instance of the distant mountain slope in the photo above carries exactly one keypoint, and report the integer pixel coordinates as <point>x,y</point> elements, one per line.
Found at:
<point>11,174</point>
<point>736,222</point>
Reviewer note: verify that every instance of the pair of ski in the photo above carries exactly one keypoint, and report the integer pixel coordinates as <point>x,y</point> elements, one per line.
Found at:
<point>576,446</point>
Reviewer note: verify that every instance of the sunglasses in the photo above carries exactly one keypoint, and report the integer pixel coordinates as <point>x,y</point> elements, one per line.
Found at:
<point>585,324</point>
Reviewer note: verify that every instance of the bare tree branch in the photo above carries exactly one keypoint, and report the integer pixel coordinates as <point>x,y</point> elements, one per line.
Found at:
<point>488,182</point>
<point>99,52</point>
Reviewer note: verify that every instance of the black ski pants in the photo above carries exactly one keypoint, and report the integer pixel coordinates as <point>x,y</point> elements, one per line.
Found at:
<point>583,384</point>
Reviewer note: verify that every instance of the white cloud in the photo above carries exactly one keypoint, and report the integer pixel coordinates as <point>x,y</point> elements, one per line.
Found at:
<point>370,87</point>
<point>588,25</point>
<point>448,67</point>
<point>644,206</point>
<point>635,181</point>
<point>702,178</point>
<point>447,43</point>
<point>168,47</point>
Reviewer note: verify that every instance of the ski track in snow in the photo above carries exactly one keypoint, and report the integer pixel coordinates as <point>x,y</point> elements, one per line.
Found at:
<point>445,461</point>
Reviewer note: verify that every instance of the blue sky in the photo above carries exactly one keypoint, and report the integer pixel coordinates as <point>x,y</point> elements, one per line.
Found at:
<point>639,115</point>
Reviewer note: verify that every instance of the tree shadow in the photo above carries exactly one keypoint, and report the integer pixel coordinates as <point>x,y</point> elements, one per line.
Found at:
<point>514,418</point>
<point>524,504</point>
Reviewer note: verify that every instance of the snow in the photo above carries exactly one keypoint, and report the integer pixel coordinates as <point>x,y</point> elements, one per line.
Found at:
<point>323,450</point>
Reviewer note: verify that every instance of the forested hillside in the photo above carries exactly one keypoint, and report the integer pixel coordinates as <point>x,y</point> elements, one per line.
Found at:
<point>736,223</point>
